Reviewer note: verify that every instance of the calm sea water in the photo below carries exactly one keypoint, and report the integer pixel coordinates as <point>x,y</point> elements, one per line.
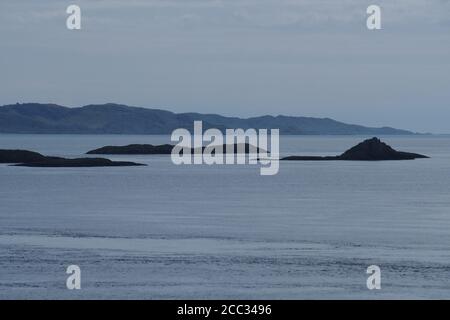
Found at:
<point>166,231</point>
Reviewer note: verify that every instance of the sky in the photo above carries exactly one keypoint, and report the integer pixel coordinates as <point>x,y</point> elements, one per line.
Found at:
<point>235,57</point>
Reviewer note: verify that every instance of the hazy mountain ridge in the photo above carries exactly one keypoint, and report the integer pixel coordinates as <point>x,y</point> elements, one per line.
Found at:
<point>121,119</point>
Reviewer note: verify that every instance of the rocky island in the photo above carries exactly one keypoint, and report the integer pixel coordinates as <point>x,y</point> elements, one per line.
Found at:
<point>140,149</point>
<point>20,156</point>
<point>369,150</point>
<point>134,149</point>
<point>26,158</point>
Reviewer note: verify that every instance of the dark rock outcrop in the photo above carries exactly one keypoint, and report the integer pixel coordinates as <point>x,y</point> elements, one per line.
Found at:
<point>135,149</point>
<point>368,150</point>
<point>374,149</point>
<point>79,162</point>
<point>26,158</point>
<point>19,156</point>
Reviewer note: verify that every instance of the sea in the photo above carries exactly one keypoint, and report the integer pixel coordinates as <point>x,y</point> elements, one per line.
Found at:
<point>226,232</point>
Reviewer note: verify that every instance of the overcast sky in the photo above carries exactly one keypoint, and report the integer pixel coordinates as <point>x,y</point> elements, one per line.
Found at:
<point>235,57</point>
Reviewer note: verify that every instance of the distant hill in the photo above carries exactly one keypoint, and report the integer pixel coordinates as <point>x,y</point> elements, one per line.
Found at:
<point>122,119</point>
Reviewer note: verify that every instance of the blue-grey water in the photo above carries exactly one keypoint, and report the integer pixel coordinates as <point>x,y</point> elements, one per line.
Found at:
<point>166,231</point>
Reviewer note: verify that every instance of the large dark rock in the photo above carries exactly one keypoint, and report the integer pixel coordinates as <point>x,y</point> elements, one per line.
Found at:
<point>26,158</point>
<point>18,156</point>
<point>368,150</point>
<point>374,149</point>
<point>79,162</point>
<point>134,149</point>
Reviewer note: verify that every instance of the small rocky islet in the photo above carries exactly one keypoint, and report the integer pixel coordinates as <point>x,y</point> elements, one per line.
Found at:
<point>25,158</point>
<point>143,149</point>
<point>368,150</point>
